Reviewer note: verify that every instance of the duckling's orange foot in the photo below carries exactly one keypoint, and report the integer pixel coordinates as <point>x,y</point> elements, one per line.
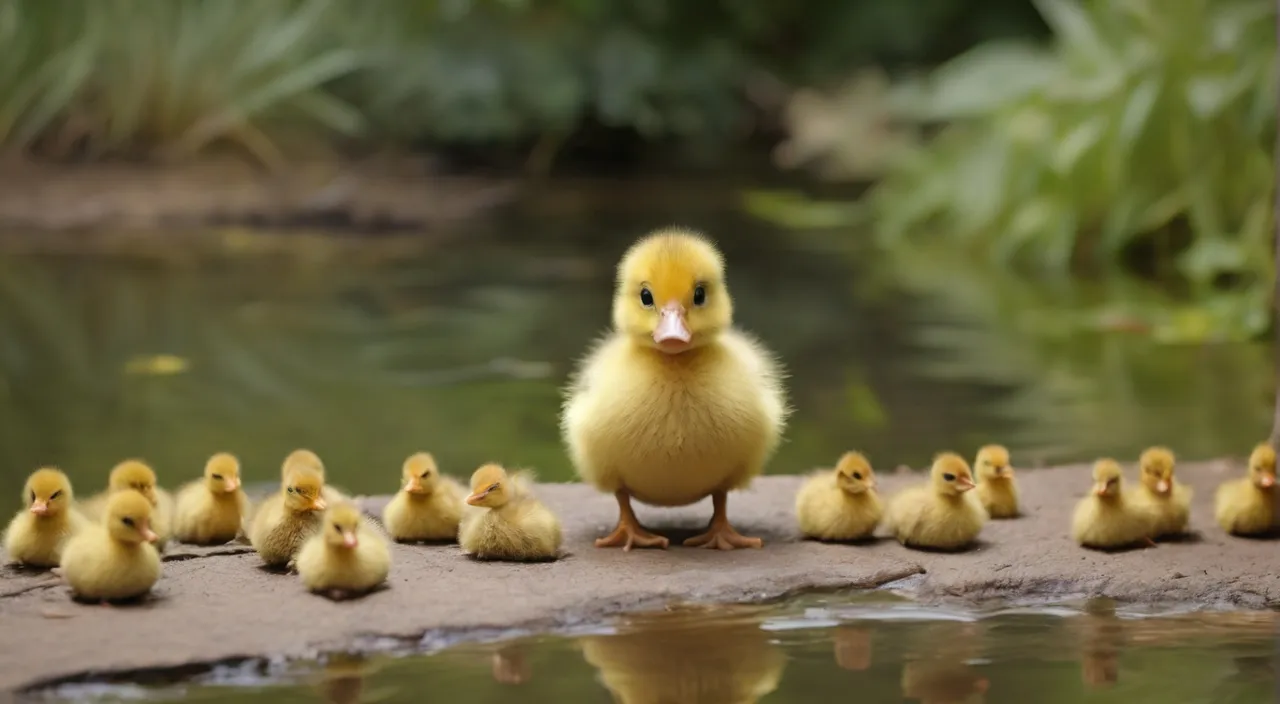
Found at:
<point>630,534</point>
<point>722,536</point>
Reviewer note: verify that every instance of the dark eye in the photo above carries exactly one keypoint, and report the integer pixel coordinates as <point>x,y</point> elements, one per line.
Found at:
<point>127,521</point>
<point>646,297</point>
<point>33,497</point>
<point>493,487</point>
<point>55,495</point>
<point>699,295</point>
<point>290,490</point>
<point>426,474</point>
<point>857,475</point>
<point>949,477</point>
<point>337,527</point>
<point>218,477</point>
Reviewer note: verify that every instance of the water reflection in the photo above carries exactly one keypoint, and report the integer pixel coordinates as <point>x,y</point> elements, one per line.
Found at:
<point>937,668</point>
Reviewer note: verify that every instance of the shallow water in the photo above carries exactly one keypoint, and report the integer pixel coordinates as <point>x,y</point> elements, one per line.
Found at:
<point>867,649</point>
<point>367,349</point>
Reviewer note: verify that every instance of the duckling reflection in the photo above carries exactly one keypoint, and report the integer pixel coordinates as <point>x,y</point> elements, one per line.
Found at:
<point>937,671</point>
<point>1102,637</point>
<point>686,657</point>
<point>511,666</point>
<point>852,648</point>
<point>342,681</point>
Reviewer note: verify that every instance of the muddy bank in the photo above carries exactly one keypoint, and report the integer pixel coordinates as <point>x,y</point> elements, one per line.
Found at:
<point>216,604</point>
<point>380,193</point>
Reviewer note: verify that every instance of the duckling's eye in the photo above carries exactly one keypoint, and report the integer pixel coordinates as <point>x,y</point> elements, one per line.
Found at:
<point>337,527</point>
<point>127,521</point>
<point>949,477</point>
<point>493,487</point>
<point>646,297</point>
<point>33,497</point>
<point>217,476</point>
<point>290,490</point>
<point>699,295</point>
<point>55,495</point>
<point>857,475</point>
<point>426,474</point>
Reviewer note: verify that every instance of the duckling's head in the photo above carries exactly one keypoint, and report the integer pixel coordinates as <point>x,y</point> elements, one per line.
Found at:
<point>420,473</point>
<point>136,475</point>
<point>992,462</point>
<point>671,293</point>
<point>1106,477</point>
<point>1262,466</point>
<point>342,524</point>
<point>303,490</point>
<point>128,517</point>
<point>222,473</point>
<point>47,493</point>
<point>1156,467</point>
<point>302,459</point>
<point>490,487</point>
<point>951,475</point>
<point>854,474</point>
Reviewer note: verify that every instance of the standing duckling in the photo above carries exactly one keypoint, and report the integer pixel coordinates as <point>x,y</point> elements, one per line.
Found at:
<point>116,560</point>
<point>286,519</point>
<point>306,459</point>
<point>1109,518</point>
<point>675,404</point>
<point>1168,498</point>
<point>1246,506</point>
<point>942,514</point>
<point>428,506</point>
<point>36,535</point>
<point>345,558</point>
<point>209,511</point>
<point>508,523</point>
<point>997,490</point>
<point>842,504</point>
<point>140,477</point>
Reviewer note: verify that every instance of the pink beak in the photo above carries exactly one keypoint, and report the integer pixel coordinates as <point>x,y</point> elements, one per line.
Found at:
<point>1266,481</point>
<point>149,535</point>
<point>1162,486</point>
<point>349,539</point>
<point>964,484</point>
<point>672,328</point>
<point>40,508</point>
<point>233,484</point>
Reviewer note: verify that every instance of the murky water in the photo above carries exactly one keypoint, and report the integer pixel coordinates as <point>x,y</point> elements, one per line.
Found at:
<point>864,649</point>
<point>367,349</point>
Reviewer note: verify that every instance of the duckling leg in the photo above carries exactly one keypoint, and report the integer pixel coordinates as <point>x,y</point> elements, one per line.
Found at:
<point>629,532</point>
<point>720,535</point>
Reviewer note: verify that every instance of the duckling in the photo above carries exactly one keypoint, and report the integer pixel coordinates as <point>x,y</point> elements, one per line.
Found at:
<point>1246,506</point>
<point>286,519</point>
<point>345,558</point>
<point>997,490</point>
<point>1168,498</point>
<point>675,404</point>
<point>841,504</point>
<point>140,477</point>
<point>209,511</point>
<point>515,526</point>
<point>941,514</point>
<point>306,458</point>
<point>116,560</point>
<point>428,506</point>
<point>1109,518</point>
<point>36,535</point>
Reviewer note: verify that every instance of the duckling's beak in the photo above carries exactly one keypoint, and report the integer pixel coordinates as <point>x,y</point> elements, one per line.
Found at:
<point>1100,489</point>
<point>477,497</point>
<point>148,534</point>
<point>1162,486</point>
<point>964,483</point>
<point>40,507</point>
<point>672,329</point>
<point>319,504</point>
<point>1006,472</point>
<point>871,483</point>
<point>349,539</point>
<point>414,485</point>
<point>232,485</point>
<point>1267,481</point>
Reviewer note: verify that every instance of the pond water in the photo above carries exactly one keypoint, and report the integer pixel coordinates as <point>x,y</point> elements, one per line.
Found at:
<point>867,649</point>
<point>366,349</point>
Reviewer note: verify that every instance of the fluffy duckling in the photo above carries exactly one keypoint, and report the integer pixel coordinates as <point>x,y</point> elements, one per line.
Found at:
<point>1168,498</point>
<point>306,459</point>
<point>515,525</point>
<point>140,477</point>
<point>997,490</point>
<point>842,504</point>
<point>287,518</point>
<point>116,560</point>
<point>345,558</point>
<point>942,514</point>
<point>1246,506</point>
<point>1109,518</point>
<point>428,506</point>
<point>209,511</point>
<point>36,535</point>
<point>675,404</point>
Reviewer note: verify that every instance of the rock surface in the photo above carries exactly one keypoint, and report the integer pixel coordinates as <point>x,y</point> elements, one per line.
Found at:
<point>215,604</point>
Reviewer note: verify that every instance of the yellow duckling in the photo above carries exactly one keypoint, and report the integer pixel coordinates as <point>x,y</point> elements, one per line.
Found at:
<point>428,506</point>
<point>1246,506</point>
<point>942,514</point>
<point>997,490</point>
<point>515,526</point>
<point>35,537</point>
<point>303,458</point>
<point>1109,518</point>
<point>140,477</point>
<point>116,560</point>
<point>345,558</point>
<point>209,511</point>
<point>841,504</point>
<point>1168,498</point>
<point>286,519</point>
<point>675,404</point>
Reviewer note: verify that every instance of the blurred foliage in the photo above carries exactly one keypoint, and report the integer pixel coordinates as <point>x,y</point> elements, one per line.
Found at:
<point>170,77</point>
